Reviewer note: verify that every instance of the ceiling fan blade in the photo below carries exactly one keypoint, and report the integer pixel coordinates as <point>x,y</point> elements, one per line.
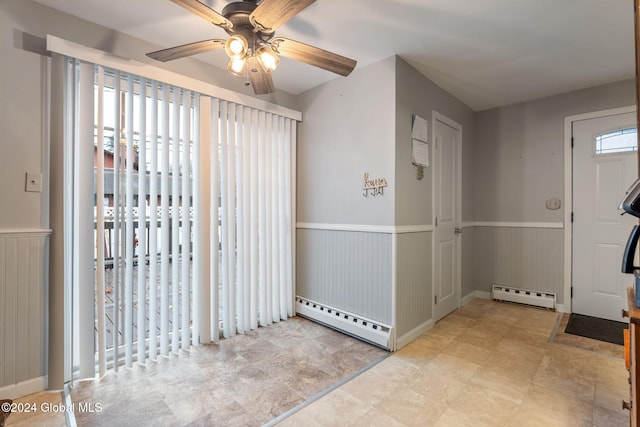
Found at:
<point>189,49</point>
<point>205,12</point>
<point>261,81</point>
<point>313,56</point>
<point>270,14</point>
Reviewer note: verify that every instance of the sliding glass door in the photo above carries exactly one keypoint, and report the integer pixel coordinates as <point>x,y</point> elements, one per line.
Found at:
<point>178,218</point>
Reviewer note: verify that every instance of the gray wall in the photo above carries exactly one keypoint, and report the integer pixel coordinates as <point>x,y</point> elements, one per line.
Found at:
<point>363,124</point>
<point>519,152</point>
<point>416,94</point>
<point>519,163</point>
<point>347,129</point>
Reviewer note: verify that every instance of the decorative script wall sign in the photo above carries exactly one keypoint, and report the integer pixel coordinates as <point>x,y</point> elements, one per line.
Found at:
<point>373,186</point>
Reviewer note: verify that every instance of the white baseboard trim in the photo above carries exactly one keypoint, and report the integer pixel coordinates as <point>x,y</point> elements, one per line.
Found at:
<point>414,333</point>
<point>475,294</point>
<point>23,388</point>
<point>560,308</point>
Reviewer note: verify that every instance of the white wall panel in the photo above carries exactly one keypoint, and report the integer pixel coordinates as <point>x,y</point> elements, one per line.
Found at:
<point>348,270</point>
<point>414,281</point>
<point>530,258</point>
<point>22,308</point>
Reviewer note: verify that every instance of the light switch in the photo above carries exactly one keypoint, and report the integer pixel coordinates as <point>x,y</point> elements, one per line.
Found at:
<point>33,182</point>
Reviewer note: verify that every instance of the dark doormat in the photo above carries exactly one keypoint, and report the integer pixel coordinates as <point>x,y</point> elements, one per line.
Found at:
<point>596,328</point>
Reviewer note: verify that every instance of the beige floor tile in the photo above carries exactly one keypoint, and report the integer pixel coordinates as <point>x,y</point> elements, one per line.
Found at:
<point>557,379</point>
<point>450,329</point>
<point>536,337</point>
<point>396,369</point>
<point>502,382</point>
<point>336,408</point>
<point>556,407</point>
<point>446,364</point>
<point>470,352</point>
<point>489,326</point>
<point>472,311</point>
<point>487,340</point>
<point>376,418</point>
<point>300,418</point>
<point>610,417</point>
<point>610,397</point>
<point>483,405</point>
<point>613,373</point>
<point>453,418</point>
<point>411,408</point>
<point>521,350</point>
<point>371,387</point>
<point>502,317</point>
<point>437,385</point>
<point>434,341</point>
<point>418,352</point>
<point>512,363</point>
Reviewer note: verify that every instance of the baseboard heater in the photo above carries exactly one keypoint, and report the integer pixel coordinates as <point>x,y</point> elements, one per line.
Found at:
<point>524,296</point>
<point>357,326</point>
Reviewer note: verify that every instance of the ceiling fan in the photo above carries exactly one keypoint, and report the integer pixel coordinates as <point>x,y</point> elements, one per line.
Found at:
<point>252,46</point>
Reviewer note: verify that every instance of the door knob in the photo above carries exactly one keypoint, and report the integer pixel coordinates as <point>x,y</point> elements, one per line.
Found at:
<point>458,230</point>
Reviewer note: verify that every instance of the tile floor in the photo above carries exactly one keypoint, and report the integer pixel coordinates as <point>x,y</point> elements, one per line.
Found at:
<point>487,364</point>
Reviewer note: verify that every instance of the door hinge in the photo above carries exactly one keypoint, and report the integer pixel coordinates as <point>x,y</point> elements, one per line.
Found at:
<point>436,299</point>
<point>571,217</point>
<point>571,291</point>
<point>571,142</point>
<point>436,221</point>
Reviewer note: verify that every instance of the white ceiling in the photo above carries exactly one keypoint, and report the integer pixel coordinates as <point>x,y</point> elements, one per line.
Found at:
<point>486,53</point>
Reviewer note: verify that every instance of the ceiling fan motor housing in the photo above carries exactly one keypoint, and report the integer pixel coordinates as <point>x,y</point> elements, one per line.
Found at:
<point>238,13</point>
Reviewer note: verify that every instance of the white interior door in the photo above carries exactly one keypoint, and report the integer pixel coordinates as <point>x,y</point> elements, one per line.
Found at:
<point>447,217</point>
<point>600,231</point>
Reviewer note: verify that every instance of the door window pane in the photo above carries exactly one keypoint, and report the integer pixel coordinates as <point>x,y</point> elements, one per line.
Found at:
<point>618,141</point>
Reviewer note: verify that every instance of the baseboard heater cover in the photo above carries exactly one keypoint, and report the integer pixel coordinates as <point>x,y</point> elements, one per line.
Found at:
<point>524,296</point>
<point>368,330</point>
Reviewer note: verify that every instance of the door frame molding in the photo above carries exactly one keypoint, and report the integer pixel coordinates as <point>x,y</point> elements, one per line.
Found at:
<point>568,194</point>
<point>435,115</point>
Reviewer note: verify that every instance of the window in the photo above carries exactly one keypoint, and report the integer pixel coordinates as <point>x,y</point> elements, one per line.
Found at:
<point>618,141</point>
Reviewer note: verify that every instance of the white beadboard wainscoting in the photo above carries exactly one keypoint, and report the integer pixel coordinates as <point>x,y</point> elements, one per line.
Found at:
<point>523,255</point>
<point>23,311</point>
<point>414,286</point>
<point>382,273</point>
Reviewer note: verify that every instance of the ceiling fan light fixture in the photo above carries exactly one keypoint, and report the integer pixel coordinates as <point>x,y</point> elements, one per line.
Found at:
<point>237,67</point>
<point>268,58</point>
<point>251,47</point>
<point>236,46</point>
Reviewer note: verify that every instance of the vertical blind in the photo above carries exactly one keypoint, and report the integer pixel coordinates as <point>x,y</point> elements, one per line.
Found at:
<point>179,216</point>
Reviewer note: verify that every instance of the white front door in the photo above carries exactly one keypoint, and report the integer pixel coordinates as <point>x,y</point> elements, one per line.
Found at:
<point>600,231</point>
<point>447,217</point>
